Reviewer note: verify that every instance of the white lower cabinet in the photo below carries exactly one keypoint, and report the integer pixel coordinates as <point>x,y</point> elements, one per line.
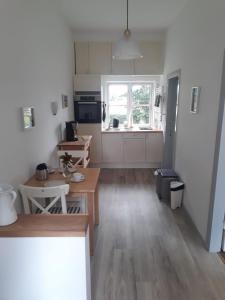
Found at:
<point>124,149</point>
<point>112,148</point>
<point>134,148</point>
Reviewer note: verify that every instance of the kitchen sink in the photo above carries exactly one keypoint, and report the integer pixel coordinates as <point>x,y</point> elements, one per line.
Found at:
<point>145,128</point>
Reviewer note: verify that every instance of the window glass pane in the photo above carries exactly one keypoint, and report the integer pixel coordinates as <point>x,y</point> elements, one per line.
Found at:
<point>119,112</point>
<point>118,94</point>
<point>141,94</point>
<point>140,115</point>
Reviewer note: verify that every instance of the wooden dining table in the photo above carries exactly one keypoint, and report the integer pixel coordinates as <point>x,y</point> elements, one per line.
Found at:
<point>88,187</point>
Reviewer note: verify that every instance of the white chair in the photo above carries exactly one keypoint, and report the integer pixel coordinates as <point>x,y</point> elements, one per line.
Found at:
<point>80,155</point>
<point>36,196</point>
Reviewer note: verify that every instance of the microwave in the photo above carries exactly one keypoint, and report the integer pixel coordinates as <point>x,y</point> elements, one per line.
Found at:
<point>88,107</point>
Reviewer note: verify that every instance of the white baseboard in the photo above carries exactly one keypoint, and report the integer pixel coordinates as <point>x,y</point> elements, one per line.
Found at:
<point>123,165</point>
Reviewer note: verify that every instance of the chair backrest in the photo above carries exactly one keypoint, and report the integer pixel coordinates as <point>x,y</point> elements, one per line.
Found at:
<point>74,153</point>
<point>32,195</point>
<point>79,154</point>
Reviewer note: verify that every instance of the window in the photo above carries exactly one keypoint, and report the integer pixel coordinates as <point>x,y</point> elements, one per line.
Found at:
<point>130,100</point>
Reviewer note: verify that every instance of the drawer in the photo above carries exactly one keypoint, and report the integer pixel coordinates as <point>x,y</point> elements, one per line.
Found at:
<point>134,135</point>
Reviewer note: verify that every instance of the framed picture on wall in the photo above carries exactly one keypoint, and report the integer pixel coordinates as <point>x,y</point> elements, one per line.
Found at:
<point>65,101</point>
<point>28,117</point>
<point>195,95</point>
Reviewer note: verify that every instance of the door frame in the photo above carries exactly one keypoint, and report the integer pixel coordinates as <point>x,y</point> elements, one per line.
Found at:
<point>174,74</point>
<point>217,203</point>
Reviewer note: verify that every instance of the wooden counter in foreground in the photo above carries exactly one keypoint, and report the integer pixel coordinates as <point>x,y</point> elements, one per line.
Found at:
<point>47,226</point>
<point>44,257</point>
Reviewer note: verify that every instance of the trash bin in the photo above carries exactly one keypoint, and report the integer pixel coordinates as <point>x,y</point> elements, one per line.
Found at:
<point>176,190</point>
<point>163,179</point>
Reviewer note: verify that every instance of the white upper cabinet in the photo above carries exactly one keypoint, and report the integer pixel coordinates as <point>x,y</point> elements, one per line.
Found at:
<point>82,57</point>
<point>84,82</point>
<point>96,58</point>
<point>100,61</point>
<point>152,61</point>
<point>122,67</point>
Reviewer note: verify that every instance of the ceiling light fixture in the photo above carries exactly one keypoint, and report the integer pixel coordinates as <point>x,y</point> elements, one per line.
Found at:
<point>126,48</point>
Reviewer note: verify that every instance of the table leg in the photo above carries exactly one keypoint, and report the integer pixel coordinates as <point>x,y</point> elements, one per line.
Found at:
<point>90,204</point>
<point>96,206</point>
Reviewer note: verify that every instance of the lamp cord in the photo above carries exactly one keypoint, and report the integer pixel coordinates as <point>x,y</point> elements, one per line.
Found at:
<point>127,15</point>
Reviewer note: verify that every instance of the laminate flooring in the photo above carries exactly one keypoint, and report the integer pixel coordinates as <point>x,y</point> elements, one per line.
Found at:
<point>145,251</point>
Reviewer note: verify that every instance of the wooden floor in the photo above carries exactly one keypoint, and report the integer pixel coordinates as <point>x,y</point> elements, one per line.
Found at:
<point>145,251</point>
<point>222,256</point>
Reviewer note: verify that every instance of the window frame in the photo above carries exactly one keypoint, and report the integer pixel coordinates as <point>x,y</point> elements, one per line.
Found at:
<point>131,80</point>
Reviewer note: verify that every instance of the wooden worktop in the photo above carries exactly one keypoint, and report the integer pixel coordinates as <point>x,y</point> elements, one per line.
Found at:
<point>47,226</point>
<point>86,186</point>
<point>131,130</point>
<point>82,141</point>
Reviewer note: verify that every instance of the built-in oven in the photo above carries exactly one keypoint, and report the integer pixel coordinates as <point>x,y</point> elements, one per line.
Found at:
<point>88,107</point>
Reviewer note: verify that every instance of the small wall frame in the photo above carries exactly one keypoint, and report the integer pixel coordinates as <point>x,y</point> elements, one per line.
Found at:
<point>195,96</point>
<point>65,103</point>
<point>28,117</point>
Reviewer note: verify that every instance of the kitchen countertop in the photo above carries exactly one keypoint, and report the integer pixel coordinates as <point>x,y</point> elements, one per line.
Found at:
<point>82,141</point>
<point>46,226</point>
<point>131,130</point>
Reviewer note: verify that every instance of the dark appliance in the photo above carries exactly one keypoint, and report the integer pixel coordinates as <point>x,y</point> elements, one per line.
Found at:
<point>88,107</point>
<point>42,172</point>
<point>71,131</point>
<point>163,179</point>
<point>116,123</point>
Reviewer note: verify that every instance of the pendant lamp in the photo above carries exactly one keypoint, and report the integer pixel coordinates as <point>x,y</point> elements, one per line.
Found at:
<point>126,48</point>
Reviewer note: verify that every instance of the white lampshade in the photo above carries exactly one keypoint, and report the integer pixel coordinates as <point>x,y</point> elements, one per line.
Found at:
<point>126,48</point>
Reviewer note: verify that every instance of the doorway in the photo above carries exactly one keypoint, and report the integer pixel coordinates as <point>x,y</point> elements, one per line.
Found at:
<point>216,228</point>
<point>173,86</point>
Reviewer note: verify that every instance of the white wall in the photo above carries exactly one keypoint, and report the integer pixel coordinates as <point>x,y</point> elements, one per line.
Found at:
<point>36,66</point>
<point>195,44</point>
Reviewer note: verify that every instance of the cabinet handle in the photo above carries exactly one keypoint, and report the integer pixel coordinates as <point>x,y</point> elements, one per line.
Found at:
<point>87,103</point>
<point>134,138</point>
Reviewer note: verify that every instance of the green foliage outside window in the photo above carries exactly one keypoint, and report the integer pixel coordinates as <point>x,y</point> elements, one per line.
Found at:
<point>140,98</point>
<point>141,95</point>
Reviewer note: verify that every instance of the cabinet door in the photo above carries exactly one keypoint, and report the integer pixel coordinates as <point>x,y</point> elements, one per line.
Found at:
<point>154,147</point>
<point>96,143</point>
<point>82,57</point>
<point>152,61</point>
<point>85,82</point>
<point>100,58</point>
<point>134,148</point>
<point>122,67</point>
<point>112,147</point>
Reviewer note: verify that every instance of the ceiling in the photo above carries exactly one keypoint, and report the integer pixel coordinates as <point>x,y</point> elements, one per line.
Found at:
<point>98,15</point>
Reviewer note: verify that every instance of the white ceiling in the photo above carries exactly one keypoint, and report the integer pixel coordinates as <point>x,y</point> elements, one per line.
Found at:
<point>99,15</point>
